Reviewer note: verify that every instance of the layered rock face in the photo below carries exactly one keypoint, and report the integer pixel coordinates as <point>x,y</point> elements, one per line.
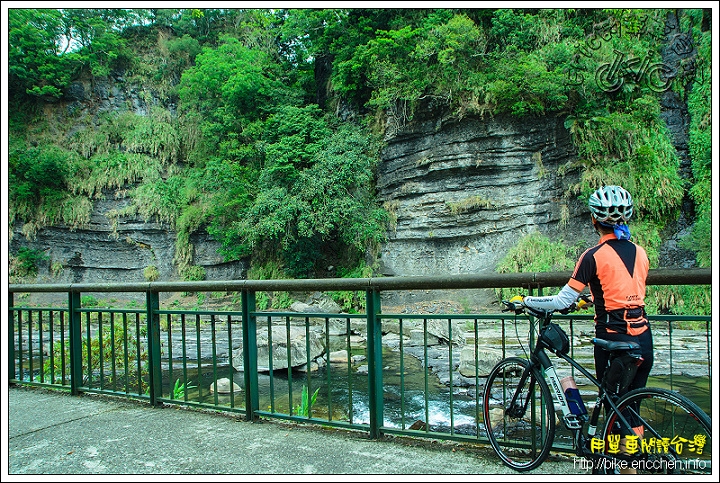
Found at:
<point>463,192</point>
<point>101,253</point>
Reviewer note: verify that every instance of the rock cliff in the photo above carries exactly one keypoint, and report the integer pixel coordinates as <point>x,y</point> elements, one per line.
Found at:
<point>463,192</point>
<point>103,253</point>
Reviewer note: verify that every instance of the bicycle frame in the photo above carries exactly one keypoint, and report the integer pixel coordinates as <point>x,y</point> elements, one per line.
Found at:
<point>539,360</point>
<point>638,426</point>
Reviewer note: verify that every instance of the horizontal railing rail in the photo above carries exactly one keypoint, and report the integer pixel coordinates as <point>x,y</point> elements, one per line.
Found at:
<point>530,280</point>
<point>411,374</point>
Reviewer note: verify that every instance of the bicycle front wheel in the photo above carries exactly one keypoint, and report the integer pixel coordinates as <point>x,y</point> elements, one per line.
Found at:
<point>671,434</point>
<point>519,414</point>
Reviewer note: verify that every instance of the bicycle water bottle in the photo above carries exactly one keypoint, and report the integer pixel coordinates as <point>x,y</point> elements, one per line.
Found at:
<point>577,406</point>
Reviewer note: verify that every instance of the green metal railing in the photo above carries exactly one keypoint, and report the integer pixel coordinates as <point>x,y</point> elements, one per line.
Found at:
<point>213,358</point>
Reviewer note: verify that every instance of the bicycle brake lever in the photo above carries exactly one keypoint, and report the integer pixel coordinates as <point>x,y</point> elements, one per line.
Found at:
<point>567,310</point>
<point>511,307</point>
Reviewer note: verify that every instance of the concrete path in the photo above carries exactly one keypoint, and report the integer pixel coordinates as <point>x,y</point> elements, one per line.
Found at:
<point>52,432</point>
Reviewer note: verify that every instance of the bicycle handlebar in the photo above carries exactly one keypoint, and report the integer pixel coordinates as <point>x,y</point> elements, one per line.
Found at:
<point>583,301</point>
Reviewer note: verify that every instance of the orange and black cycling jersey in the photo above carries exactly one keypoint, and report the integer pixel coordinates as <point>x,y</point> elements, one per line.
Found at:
<point>616,271</point>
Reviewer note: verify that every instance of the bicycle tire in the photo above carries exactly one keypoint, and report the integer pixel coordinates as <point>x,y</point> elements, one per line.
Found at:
<point>523,442</point>
<point>676,433</point>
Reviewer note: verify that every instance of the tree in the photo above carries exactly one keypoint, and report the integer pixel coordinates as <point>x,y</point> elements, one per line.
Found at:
<point>35,66</point>
<point>230,88</point>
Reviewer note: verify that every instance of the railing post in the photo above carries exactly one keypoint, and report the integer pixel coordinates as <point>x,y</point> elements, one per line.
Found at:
<point>374,348</point>
<point>153,331</point>
<point>75,343</point>
<point>11,338</point>
<point>250,372</point>
<point>532,318</point>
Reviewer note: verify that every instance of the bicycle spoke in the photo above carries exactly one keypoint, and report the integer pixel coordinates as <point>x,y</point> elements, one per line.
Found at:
<point>672,435</point>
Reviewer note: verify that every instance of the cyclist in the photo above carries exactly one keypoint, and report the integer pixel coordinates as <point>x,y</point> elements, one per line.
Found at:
<point>615,270</point>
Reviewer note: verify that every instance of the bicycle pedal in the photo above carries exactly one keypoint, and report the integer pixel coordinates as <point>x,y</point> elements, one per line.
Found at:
<point>572,422</point>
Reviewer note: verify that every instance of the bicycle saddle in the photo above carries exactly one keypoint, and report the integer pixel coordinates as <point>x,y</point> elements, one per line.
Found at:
<point>615,345</point>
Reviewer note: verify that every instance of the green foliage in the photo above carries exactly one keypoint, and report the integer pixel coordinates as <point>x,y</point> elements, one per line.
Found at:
<point>113,170</point>
<point>155,135</point>
<point>352,301</point>
<point>700,144</point>
<point>469,204</point>
<point>295,136</point>
<point>647,235</point>
<point>535,252</point>
<point>230,86</point>
<point>306,402</point>
<point>282,300</point>
<point>181,53</point>
<point>526,85</point>
<point>109,351</point>
<point>679,300</point>
<point>179,390</point>
<point>151,273</point>
<point>40,182</point>
<point>242,133</point>
<point>631,148</point>
<point>34,68</point>
<point>37,175</point>
<point>88,301</point>
<point>48,47</point>
<point>320,195</point>
<point>193,273</point>
<point>56,268</point>
<point>270,269</point>
<point>262,301</point>
<point>25,262</point>
<point>414,62</point>
<point>701,239</point>
<point>514,28</point>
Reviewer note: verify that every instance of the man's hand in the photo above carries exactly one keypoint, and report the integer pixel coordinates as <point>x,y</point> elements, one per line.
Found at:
<point>516,304</point>
<point>584,302</point>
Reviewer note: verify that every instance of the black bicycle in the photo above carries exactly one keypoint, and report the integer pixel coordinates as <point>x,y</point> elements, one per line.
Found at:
<point>651,430</point>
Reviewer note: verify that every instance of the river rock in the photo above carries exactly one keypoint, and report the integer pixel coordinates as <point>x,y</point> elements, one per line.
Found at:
<point>486,359</point>
<point>417,338</point>
<point>340,356</point>
<point>317,303</point>
<point>223,386</point>
<point>279,349</point>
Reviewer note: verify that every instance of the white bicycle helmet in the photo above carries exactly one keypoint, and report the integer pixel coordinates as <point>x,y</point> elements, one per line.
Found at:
<point>611,204</point>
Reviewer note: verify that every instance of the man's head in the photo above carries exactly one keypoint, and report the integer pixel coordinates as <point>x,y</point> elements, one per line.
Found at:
<point>611,205</point>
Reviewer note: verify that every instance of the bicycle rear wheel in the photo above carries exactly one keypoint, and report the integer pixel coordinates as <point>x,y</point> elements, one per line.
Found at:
<point>521,435</point>
<point>673,435</point>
